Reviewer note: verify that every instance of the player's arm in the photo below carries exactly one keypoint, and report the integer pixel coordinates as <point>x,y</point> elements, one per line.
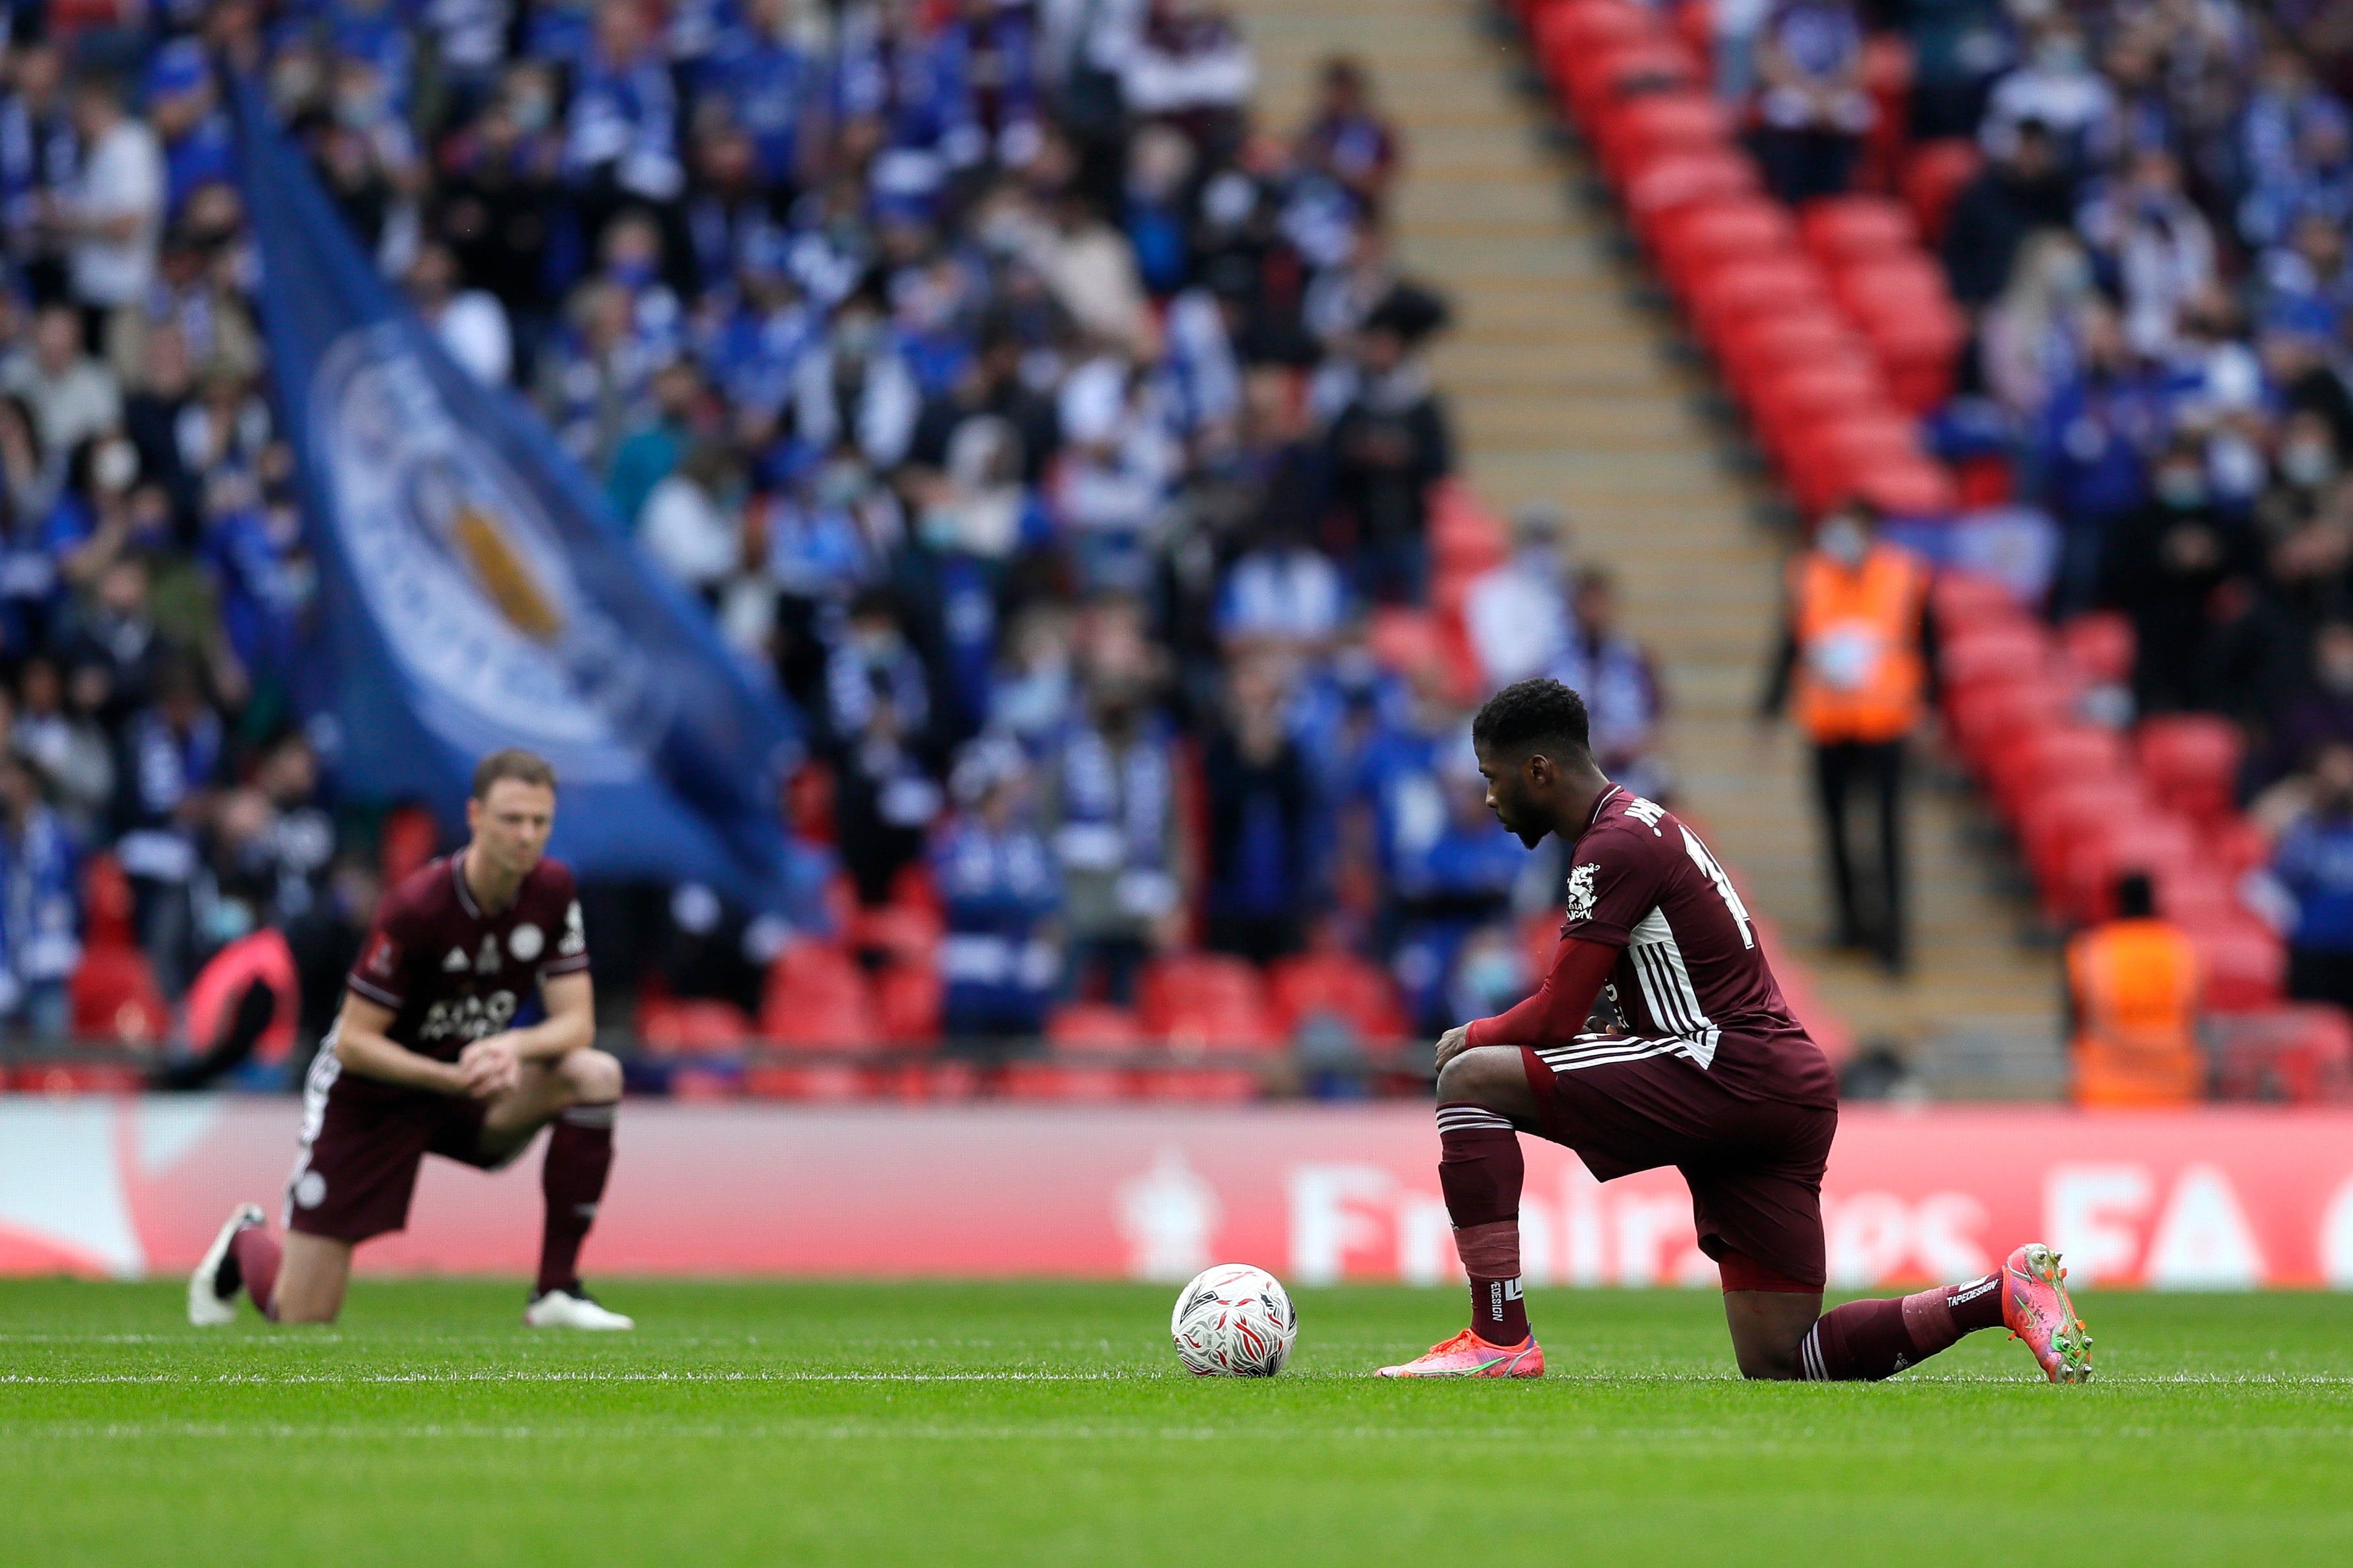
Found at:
<point>570,1025</point>
<point>1555,1015</point>
<point>363,1047</point>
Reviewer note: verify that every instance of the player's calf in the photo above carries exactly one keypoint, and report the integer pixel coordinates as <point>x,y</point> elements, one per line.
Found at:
<point>572,1182</point>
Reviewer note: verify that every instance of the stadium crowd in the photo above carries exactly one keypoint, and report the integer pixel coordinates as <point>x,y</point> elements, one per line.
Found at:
<point>1059,441</point>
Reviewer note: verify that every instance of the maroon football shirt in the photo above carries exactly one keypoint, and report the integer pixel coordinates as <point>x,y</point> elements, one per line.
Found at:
<point>453,974</point>
<point>1641,880</point>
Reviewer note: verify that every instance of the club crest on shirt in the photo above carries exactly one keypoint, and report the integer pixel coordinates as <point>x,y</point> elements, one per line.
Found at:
<point>524,941</point>
<point>1580,891</point>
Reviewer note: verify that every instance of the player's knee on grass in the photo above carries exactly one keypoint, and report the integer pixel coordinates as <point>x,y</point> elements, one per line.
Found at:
<point>592,1078</point>
<point>1489,1076</point>
<point>313,1276</point>
<point>1766,1327</point>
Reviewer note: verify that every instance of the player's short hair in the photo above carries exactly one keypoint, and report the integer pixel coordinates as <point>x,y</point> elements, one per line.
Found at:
<point>512,762</point>
<point>1534,715</point>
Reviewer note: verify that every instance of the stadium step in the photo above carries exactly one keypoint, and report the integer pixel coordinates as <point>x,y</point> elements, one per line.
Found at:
<point>1563,386</point>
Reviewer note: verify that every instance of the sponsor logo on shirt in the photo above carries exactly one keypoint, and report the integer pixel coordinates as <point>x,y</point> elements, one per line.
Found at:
<point>1580,891</point>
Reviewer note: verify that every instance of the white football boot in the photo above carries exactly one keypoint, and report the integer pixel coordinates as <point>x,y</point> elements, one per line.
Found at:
<point>207,1307</point>
<point>563,1309</point>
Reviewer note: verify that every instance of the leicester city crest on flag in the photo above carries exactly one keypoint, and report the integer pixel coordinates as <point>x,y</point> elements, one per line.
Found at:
<point>475,595</point>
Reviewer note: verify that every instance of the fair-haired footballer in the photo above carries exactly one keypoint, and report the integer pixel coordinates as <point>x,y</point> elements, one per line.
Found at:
<point>428,1057</point>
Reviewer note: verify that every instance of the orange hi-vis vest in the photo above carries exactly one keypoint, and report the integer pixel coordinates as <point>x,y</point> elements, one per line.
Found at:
<point>1859,672</point>
<point>2137,985</point>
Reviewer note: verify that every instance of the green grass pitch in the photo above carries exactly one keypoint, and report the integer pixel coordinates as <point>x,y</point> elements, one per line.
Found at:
<point>1049,1424</point>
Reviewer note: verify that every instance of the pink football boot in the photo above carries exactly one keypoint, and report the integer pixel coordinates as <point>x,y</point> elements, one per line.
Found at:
<point>1468,1355</point>
<point>2034,1304</point>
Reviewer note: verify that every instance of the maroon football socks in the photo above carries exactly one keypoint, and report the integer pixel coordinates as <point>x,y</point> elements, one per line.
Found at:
<point>572,1180</point>
<point>254,1253</point>
<point>1866,1341</point>
<point>1480,1170</point>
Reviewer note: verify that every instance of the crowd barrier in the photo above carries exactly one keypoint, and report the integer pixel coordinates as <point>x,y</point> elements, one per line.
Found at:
<point>2222,1198</point>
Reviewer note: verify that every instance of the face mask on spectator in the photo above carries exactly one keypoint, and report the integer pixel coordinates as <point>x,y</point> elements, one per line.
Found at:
<point>2309,464</point>
<point>2061,56</point>
<point>2182,489</point>
<point>1843,542</point>
<point>114,466</point>
<point>2335,669</point>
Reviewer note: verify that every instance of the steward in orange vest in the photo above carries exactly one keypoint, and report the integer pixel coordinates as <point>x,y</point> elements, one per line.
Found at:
<point>1857,654</point>
<point>2133,985</point>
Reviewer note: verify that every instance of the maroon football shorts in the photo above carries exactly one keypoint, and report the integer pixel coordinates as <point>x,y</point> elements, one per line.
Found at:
<point>1755,1166</point>
<point>358,1165</point>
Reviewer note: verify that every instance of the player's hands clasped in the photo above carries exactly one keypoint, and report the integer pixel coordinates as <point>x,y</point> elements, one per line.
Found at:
<point>1452,1044</point>
<point>488,1068</point>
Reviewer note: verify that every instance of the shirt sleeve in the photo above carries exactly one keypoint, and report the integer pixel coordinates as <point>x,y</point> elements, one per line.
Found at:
<point>381,973</point>
<point>1613,881</point>
<point>570,954</point>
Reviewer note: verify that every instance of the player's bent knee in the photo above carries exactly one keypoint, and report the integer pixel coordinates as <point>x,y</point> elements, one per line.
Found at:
<point>594,1077</point>
<point>1491,1076</point>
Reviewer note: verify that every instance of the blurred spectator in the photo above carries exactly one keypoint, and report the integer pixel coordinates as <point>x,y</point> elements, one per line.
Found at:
<point>2134,984</point>
<point>1260,803</point>
<point>40,915</point>
<point>1001,957</point>
<point>1347,140</point>
<point>1111,812</point>
<point>71,394</point>
<point>112,218</point>
<point>1389,443</point>
<point>470,323</point>
<point>2024,187</point>
<point>2313,865</point>
<point>2090,450</point>
<point>1519,614</point>
<point>2164,563</point>
<point>2320,715</point>
<point>2058,87</point>
<point>1958,48</point>
<point>1811,111</point>
<point>2149,237</point>
<point>1620,682</point>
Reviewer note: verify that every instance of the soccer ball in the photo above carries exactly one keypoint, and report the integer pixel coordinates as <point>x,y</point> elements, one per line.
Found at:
<point>1234,1320</point>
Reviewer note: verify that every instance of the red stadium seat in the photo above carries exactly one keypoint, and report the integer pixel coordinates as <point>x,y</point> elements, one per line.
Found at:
<point>1934,173</point>
<point>1764,346</point>
<point>1962,600</point>
<point>1559,34</point>
<point>907,999</point>
<point>114,997</point>
<point>2100,647</point>
<point>1907,485</point>
<point>1843,230</point>
<point>2301,1053</point>
<point>1352,988</point>
<point>2192,761</point>
<point>2006,650</point>
<point>2161,847</point>
<point>1825,460</point>
<point>818,996</point>
<point>1800,395</point>
<point>1619,71</point>
<point>1670,184</point>
<point>2246,963</point>
<point>108,907</point>
<point>2052,819</point>
<point>1702,238</point>
<point>1988,715</point>
<point>2038,758</point>
<point>1724,298</point>
<point>1213,999</point>
<point>671,1027</point>
<point>1629,133</point>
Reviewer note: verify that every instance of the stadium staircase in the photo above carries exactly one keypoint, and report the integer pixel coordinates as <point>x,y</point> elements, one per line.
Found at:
<point>1566,384</point>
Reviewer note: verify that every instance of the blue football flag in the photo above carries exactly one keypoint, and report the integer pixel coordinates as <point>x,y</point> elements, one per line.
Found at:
<point>476,594</point>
